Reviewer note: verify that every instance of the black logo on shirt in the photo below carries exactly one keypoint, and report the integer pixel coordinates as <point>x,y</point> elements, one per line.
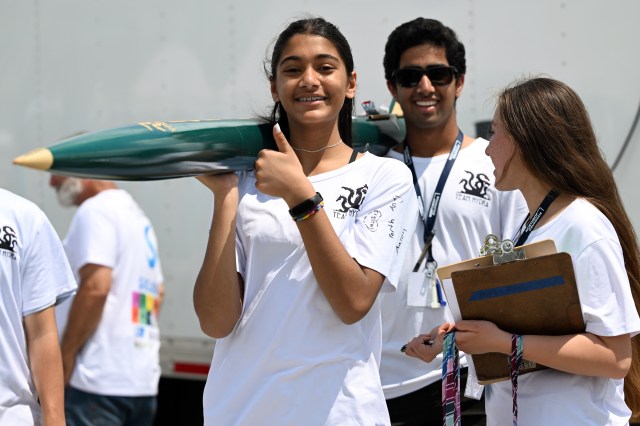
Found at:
<point>8,241</point>
<point>351,199</point>
<point>475,189</point>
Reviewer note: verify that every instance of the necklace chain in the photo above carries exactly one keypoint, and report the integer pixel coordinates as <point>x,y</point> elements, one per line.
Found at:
<point>317,150</point>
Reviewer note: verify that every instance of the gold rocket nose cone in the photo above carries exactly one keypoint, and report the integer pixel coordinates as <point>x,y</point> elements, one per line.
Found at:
<point>40,159</point>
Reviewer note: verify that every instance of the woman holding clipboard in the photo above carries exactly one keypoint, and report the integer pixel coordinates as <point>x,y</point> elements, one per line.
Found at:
<point>543,144</point>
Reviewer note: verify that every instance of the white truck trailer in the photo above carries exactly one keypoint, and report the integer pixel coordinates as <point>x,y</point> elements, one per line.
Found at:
<point>82,65</point>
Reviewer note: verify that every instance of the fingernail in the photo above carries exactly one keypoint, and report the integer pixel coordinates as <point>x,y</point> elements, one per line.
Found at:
<point>277,127</point>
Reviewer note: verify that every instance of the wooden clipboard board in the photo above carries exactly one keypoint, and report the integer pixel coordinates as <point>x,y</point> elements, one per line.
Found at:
<point>536,295</point>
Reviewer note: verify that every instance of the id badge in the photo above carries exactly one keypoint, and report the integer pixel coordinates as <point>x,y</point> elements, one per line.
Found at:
<point>422,289</point>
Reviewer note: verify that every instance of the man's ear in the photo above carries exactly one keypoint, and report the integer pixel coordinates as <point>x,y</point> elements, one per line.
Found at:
<point>459,85</point>
<point>392,89</point>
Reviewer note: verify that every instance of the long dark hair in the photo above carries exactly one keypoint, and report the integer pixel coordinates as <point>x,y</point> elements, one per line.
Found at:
<point>322,28</point>
<point>550,124</point>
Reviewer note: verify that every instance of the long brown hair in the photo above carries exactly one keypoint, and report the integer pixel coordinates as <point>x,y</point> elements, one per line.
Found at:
<point>550,124</point>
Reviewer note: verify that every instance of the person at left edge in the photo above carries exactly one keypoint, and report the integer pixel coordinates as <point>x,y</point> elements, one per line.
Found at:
<point>110,344</point>
<point>293,302</point>
<point>34,277</point>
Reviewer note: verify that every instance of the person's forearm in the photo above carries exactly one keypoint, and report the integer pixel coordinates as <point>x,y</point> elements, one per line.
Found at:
<point>85,313</point>
<point>217,295</point>
<point>84,317</point>
<point>350,290</point>
<point>584,354</point>
<point>46,365</point>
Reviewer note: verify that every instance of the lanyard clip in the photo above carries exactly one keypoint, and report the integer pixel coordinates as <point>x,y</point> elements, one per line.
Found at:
<point>425,250</point>
<point>435,298</point>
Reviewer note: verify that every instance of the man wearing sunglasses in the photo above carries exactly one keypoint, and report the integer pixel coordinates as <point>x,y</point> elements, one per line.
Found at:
<point>425,68</point>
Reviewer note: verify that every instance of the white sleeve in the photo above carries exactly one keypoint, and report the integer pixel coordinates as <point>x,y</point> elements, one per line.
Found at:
<point>45,272</point>
<point>605,294</point>
<point>385,222</point>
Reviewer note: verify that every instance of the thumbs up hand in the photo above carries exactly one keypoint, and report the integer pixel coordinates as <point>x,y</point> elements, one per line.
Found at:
<point>280,174</point>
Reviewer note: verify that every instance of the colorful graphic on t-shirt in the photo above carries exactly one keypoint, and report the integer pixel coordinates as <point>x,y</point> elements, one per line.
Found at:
<point>144,308</point>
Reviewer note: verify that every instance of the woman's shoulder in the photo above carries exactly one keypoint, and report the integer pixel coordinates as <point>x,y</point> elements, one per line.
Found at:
<point>382,172</point>
<point>583,224</point>
<point>583,213</point>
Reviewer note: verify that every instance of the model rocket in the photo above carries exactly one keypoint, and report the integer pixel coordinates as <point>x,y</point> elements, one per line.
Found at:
<point>164,150</point>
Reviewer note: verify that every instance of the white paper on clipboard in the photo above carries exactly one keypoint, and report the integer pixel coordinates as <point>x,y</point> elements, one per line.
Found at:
<point>450,293</point>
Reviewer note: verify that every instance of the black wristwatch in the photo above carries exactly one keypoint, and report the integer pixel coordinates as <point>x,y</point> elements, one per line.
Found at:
<point>306,206</point>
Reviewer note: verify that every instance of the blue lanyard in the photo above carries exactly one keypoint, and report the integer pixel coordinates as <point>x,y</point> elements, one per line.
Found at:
<point>540,211</point>
<point>430,217</point>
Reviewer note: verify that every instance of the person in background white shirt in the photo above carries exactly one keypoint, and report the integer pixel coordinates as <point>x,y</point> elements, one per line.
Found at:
<point>110,341</point>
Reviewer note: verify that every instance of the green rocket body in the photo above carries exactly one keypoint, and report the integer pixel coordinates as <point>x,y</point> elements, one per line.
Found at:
<point>164,150</point>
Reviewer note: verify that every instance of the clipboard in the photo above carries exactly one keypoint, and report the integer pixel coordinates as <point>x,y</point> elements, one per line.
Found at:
<point>535,295</point>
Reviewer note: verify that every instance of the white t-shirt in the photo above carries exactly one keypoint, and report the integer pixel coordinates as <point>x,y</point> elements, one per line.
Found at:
<point>551,397</point>
<point>470,208</point>
<point>34,275</point>
<point>290,360</point>
<point>121,357</point>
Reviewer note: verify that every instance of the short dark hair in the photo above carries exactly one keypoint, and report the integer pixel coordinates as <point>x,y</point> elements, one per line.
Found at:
<point>422,31</point>
<point>318,27</point>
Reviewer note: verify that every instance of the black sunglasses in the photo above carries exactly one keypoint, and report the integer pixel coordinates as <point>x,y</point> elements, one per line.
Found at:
<point>438,75</point>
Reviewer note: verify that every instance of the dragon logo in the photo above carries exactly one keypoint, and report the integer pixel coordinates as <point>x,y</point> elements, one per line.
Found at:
<point>476,185</point>
<point>352,199</point>
<point>8,239</point>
